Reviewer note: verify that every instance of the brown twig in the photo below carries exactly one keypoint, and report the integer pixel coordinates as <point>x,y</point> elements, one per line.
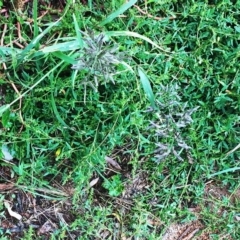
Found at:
<point>43,14</point>
<point>233,150</point>
<point>19,31</point>
<point>3,34</point>
<point>18,44</point>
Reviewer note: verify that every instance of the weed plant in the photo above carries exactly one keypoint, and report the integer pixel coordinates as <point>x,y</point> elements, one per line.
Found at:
<point>173,116</point>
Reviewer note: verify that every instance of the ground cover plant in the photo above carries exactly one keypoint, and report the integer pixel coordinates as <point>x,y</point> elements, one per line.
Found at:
<point>119,120</point>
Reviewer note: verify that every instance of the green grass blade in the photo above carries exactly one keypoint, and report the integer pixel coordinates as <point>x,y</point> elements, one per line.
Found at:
<point>121,10</point>
<point>147,87</point>
<point>63,47</point>
<point>77,30</point>
<point>90,4</point>
<point>136,35</point>
<point>60,120</point>
<point>64,57</point>
<point>53,103</point>
<point>7,52</point>
<point>224,171</point>
<point>4,108</point>
<point>35,12</point>
<point>73,78</point>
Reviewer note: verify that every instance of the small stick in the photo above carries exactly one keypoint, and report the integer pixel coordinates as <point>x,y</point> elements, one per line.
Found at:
<point>19,31</point>
<point>3,34</point>
<point>18,44</point>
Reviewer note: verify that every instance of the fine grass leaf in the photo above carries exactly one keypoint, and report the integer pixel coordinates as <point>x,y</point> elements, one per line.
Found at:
<point>121,10</point>
<point>4,108</point>
<point>147,87</point>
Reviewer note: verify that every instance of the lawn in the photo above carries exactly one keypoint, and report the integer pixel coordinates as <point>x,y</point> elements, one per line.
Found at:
<point>120,120</point>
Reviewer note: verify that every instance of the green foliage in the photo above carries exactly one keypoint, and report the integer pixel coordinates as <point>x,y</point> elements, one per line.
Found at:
<point>172,117</point>
<point>29,234</point>
<point>147,87</point>
<point>114,185</point>
<point>121,10</point>
<point>187,63</point>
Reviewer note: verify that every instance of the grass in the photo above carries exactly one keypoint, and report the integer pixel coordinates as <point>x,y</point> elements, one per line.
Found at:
<point>158,96</point>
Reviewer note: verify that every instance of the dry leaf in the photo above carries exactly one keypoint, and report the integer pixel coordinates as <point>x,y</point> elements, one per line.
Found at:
<point>46,228</point>
<point>93,182</point>
<point>11,213</point>
<point>113,163</point>
<point>105,234</point>
<point>125,238</point>
<point>6,153</point>
<point>186,231</point>
<point>154,222</point>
